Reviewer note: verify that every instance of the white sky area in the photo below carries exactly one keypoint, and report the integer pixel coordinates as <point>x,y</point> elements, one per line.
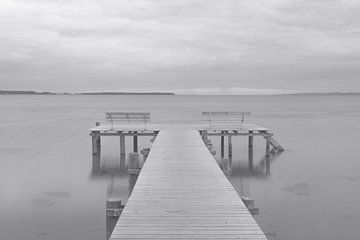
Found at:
<point>182,46</point>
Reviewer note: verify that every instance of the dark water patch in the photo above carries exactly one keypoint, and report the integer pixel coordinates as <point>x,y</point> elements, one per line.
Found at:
<point>58,194</point>
<point>42,234</point>
<point>349,178</point>
<point>43,202</point>
<point>299,189</point>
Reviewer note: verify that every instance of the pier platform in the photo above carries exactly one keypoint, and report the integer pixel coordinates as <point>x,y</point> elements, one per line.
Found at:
<point>181,193</point>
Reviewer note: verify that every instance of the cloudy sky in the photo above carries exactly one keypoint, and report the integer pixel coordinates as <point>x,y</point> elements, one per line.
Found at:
<point>185,46</point>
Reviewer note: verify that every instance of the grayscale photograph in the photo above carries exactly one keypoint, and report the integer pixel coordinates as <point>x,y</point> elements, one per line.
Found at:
<point>179,119</point>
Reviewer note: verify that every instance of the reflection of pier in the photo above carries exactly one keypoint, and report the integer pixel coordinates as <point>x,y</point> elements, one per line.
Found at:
<point>181,189</point>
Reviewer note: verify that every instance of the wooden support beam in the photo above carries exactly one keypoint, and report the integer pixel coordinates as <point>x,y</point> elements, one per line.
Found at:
<point>122,144</point>
<point>133,169</point>
<point>230,147</point>
<point>134,162</point>
<point>122,164</point>
<point>135,142</point>
<point>204,135</point>
<point>267,165</point>
<point>251,151</point>
<point>96,152</point>
<point>145,152</point>
<point>113,212</point>
<point>251,140</point>
<point>117,133</point>
<point>235,133</point>
<point>225,166</point>
<point>267,139</point>
<point>222,144</point>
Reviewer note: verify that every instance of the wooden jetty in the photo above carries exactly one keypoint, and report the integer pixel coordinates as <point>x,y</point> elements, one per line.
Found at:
<point>181,192</point>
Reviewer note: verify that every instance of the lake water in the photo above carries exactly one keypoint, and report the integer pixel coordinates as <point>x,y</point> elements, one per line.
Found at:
<point>310,191</point>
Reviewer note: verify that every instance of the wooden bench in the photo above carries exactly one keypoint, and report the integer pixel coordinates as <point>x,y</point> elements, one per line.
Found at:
<point>128,117</point>
<point>224,118</point>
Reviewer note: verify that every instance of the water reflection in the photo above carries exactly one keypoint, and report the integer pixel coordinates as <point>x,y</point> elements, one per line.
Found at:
<point>242,175</point>
<point>261,170</point>
<point>119,186</point>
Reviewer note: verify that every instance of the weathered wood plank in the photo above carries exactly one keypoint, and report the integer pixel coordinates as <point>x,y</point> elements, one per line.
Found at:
<point>181,193</point>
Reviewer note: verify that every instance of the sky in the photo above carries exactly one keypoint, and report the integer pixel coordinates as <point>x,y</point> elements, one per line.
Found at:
<point>181,46</point>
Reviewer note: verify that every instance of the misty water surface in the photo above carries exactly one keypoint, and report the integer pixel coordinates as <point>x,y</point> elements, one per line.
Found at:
<point>47,191</point>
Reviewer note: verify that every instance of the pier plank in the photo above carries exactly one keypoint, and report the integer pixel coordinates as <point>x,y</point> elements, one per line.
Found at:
<point>181,193</point>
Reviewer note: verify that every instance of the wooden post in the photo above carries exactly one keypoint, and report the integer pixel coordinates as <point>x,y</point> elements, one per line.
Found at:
<point>250,205</point>
<point>251,150</point>
<point>135,142</point>
<point>225,166</point>
<point>251,141</point>
<point>122,164</point>
<point>122,144</point>
<point>113,212</point>
<point>249,202</point>
<point>134,160</point>
<point>267,144</point>
<point>96,151</point>
<point>145,152</point>
<point>204,135</point>
<point>222,144</point>
<point>133,170</point>
<point>267,165</point>
<point>230,147</point>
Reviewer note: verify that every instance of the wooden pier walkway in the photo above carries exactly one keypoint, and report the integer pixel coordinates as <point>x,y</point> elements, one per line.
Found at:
<point>181,193</point>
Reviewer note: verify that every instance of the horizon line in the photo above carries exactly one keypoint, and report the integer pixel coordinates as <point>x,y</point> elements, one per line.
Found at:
<point>32,92</point>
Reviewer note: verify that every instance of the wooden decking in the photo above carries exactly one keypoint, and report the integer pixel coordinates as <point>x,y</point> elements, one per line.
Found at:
<point>181,193</point>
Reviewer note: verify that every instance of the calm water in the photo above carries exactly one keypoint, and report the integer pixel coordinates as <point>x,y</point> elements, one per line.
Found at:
<point>47,191</point>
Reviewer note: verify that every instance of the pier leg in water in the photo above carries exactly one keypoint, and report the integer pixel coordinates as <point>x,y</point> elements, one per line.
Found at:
<point>145,152</point>
<point>122,144</point>
<point>96,151</point>
<point>122,164</point>
<point>230,149</point>
<point>251,151</point>
<point>135,142</point>
<point>222,144</point>
<point>113,212</point>
<point>204,135</point>
<point>267,145</point>
<point>225,166</point>
<point>133,170</point>
<point>267,164</point>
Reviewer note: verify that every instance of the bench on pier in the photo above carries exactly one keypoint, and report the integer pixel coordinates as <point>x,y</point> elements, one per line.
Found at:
<point>128,117</point>
<point>223,118</point>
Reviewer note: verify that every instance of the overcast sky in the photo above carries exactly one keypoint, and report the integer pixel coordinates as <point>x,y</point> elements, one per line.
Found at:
<point>184,46</point>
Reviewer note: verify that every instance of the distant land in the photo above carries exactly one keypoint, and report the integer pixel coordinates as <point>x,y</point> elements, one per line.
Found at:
<point>127,93</point>
<point>8,92</point>
<point>319,93</point>
<point>25,92</point>
<point>3,92</point>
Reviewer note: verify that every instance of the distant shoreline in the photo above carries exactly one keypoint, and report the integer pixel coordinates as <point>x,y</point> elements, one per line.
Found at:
<point>85,93</point>
<point>6,92</point>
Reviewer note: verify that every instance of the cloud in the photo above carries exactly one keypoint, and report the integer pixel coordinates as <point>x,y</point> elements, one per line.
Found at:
<point>273,44</point>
